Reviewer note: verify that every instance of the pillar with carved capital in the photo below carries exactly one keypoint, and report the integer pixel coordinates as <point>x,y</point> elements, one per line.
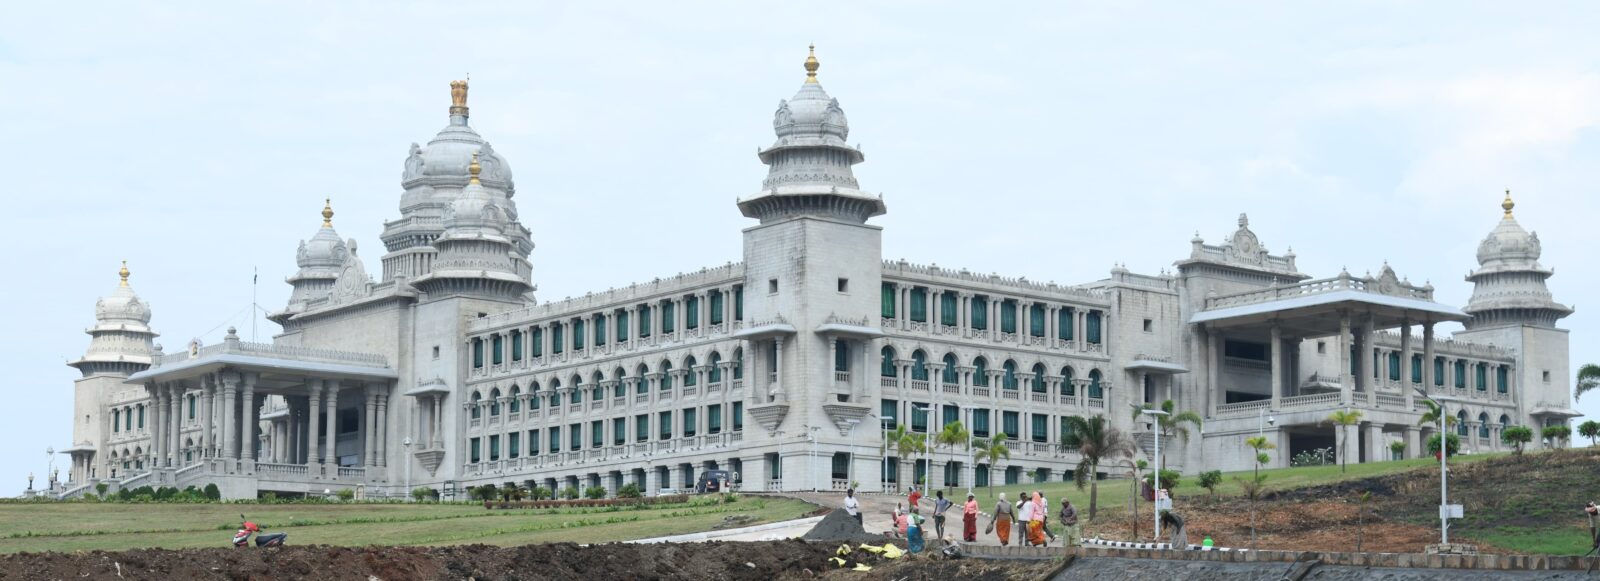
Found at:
<point>230,394</point>
<point>1213,370</point>
<point>176,424</point>
<point>383,424</point>
<point>1346,378</point>
<point>1405,362</point>
<point>1275,351</point>
<point>250,417</point>
<point>777,386</point>
<point>435,428</point>
<point>331,404</point>
<point>206,440</point>
<point>314,422</point>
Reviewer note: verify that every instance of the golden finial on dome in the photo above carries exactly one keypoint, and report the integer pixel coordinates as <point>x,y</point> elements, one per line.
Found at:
<point>124,273</point>
<point>473,168</point>
<point>1508,204</point>
<point>327,212</point>
<point>811,65</point>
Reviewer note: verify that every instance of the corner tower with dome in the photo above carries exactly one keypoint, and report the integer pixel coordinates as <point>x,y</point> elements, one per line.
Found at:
<point>804,360</point>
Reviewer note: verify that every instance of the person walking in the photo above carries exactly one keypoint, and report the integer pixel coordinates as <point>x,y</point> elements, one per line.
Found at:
<point>1000,523</point>
<point>1069,524</point>
<point>1043,509</point>
<point>914,531</point>
<point>852,506</point>
<point>940,506</point>
<point>1022,519</point>
<point>1036,512</point>
<point>916,496</point>
<point>969,519</point>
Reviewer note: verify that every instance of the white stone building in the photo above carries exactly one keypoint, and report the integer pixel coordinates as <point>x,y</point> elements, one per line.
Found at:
<point>787,367</point>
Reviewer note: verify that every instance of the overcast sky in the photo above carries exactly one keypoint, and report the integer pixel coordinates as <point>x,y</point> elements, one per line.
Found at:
<point>1048,142</point>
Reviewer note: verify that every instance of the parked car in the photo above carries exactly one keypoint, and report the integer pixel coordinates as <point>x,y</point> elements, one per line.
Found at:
<point>713,481</point>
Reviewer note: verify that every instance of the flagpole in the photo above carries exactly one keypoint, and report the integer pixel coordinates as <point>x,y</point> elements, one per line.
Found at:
<point>254,276</point>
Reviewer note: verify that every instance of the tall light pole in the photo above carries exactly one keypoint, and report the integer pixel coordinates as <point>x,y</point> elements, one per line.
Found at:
<point>407,444</point>
<point>811,434</point>
<point>883,430</point>
<point>1155,413</point>
<point>1445,511</point>
<point>49,473</point>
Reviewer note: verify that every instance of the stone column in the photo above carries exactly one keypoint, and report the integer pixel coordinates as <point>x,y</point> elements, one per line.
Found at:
<point>153,425</point>
<point>435,430</point>
<point>206,440</point>
<point>1405,364</point>
<point>230,394</point>
<point>1368,345</point>
<point>174,424</point>
<point>1213,370</point>
<point>314,418</point>
<point>777,386</point>
<point>331,404</point>
<point>383,424</point>
<point>1346,379</point>
<point>1427,356</point>
<point>368,421</point>
<point>1275,352</point>
<point>247,432</point>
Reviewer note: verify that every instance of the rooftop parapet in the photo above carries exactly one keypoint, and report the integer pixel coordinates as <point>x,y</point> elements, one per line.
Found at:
<point>904,269</point>
<point>615,297</point>
<point>1385,284</point>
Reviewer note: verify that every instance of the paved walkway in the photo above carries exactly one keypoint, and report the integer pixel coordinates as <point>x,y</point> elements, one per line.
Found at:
<point>763,532</point>
<point>878,509</point>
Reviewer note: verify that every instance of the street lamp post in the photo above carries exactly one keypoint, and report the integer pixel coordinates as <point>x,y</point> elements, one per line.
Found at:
<point>779,436</point>
<point>1154,413</point>
<point>1263,420</point>
<point>811,434</point>
<point>1444,455</point>
<point>50,469</point>
<point>407,444</point>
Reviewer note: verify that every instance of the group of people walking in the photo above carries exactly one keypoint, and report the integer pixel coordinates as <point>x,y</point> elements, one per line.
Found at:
<point>1029,516</point>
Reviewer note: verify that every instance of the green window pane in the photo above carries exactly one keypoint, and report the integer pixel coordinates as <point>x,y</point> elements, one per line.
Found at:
<point>887,309</point>
<point>948,310</point>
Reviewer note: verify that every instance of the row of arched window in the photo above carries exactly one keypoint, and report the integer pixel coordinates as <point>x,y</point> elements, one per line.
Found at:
<point>1483,423</point>
<point>578,386</point>
<point>575,332</point>
<point>950,375</point>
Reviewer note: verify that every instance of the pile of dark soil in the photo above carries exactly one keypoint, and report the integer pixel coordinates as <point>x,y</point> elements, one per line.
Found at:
<point>759,561</point>
<point>840,527</point>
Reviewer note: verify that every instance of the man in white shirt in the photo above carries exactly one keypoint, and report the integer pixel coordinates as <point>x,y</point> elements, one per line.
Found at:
<point>852,506</point>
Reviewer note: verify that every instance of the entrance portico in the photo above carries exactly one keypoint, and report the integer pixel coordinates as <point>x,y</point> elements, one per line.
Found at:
<point>1302,351</point>
<point>328,417</point>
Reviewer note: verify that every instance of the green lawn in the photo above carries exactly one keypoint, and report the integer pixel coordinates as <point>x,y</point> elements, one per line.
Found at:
<point>112,526</point>
<point>1114,492</point>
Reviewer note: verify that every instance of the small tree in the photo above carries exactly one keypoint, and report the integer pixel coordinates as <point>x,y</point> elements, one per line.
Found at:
<point>1257,482</point>
<point>1454,444</point>
<point>1094,439</point>
<point>509,491</point>
<point>1555,436</point>
<point>1169,479</point>
<point>1397,449</point>
<point>542,493</point>
<point>570,493</point>
<point>1210,481</point>
<point>1590,430</point>
<point>102,487</point>
<point>212,492</point>
<point>423,493</point>
<point>1515,436</point>
<point>993,450</point>
<point>1171,424</point>
<point>629,490</point>
<point>346,494</point>
<point>1361,513</point>
<point>1344,419</point>
<point>594,492</point>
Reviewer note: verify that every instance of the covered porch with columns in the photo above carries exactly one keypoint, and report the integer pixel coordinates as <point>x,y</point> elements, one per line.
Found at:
<point>268,417</point>
<point>1299,353</point>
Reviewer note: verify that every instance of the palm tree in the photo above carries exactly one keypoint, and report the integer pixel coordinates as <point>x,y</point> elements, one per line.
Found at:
<point>1361,516</point>
<point>1588,378</point>
<point>1344,418</point>
<point>1094,439</point>
<point>954,434</point>
<point>1172,423</point>
<point>905,444</point>
<point>1257,483</point>
<point>991,449</point>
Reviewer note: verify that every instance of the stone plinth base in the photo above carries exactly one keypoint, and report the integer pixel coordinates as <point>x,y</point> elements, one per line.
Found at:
<point>1451,549</point>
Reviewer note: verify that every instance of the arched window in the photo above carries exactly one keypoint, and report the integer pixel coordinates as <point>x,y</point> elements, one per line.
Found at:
<point>1461,423</point>
<point>1038,378</point>
<point>641,383</point>
<point>535,399</point>
<point>576,395</point>
<point>516,398</point>
<point>1483,425</point>
<point>494,402</point>
<point>689,378</point>
<point>1505,421</point>
<point>597,392</point>
<point>1416,369</point>
<point>1394,366</point>
<point>1010,380</point>
<point>1067,385</point>
<point>738,364</point>
<point>620,376</point>
<point>951,375</point>
<point>474,410</point>
<point>1095,391</point>
<point>666,375</point>
<point>919,365</point>
<point>715,361</point>
<point>888,367</point>
<point>980,372</point>
<point>1036,320</point>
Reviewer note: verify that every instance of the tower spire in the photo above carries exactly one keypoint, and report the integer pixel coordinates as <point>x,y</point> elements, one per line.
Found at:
<point>458,98</point>
<point>812,64</point>
<point>327,212</point>
<point>1507,205</point>
<point>124,273</point>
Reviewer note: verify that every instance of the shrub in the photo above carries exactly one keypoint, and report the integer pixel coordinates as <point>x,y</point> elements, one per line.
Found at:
<point>629,490</point>
<point>1210,480</point>
<point>1169,479</point>
<point>1454,444</point>
<point>594,492</point>
<point>1397,449</point>
<point>269,496</point>
<point>346,493</point>
<point>1517,437</point>
<point>101,488</point>
<point>570,493</point>
<point>542,493</point>
<point>1314,457</point>
<point>1554,435</point>
<point>424,493</point>
<point>212,492</point>
<point>124,495</point>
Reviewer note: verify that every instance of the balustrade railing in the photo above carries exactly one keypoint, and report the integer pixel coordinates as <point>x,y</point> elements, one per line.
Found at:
<point>1309,400</point>
<point>1097,403</point>
<point>919,384</point>
<point>356,473</point>
<point>1009,394</point>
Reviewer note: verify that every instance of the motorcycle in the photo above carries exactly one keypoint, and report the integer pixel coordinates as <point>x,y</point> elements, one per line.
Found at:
<point>242,538</point>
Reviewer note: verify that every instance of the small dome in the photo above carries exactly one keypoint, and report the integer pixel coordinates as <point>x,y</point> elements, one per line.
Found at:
<point>475,208</point>
<point>122,306</point>
<point>325,248</point>
<point>811,116</point>
<point>1508,244</point>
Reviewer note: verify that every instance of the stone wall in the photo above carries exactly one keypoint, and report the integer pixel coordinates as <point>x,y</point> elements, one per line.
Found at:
<point>1379,560</point>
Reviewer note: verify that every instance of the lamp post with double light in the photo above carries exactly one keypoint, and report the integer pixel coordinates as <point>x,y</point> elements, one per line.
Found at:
<point>407,444</point>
